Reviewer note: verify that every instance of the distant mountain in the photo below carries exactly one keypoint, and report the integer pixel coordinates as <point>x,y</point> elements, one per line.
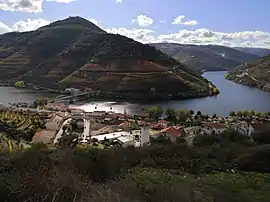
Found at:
<point>206,57</point>
<point>255,51</point>
<point>76,53</point>
<point>254,73</point>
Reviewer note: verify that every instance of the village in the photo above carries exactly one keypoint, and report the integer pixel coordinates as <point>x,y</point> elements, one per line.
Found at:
<point>66,126</point>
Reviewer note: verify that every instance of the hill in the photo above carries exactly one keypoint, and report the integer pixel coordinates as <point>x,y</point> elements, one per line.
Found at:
<point>76,53</point>
<point>255,51</point>
<point>206,57</point>
<point>224,168</point>
<point>255,73</point>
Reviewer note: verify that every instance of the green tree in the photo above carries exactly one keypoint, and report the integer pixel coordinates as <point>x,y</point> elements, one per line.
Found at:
<point>19,84</point>
<point>191,112</point>
<point>214,116</point>
<point>171,114</point>
<point>239,113</point>
<point>199,113</point>
<point>182,115</point>
<point>252,113</point>
<point>155,112</point>
<point>232,113</point>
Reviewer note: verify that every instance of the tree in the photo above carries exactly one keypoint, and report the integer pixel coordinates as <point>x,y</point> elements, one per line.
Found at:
<point>191,112</point>
<point>252,113</point>
<point>19,84</point>
<point>214,116</point>
<point>199,113</point>
<point>171,114</point>
<point>232,113</point>
<point>239,114</point>
<point>155,112</point>
<point>68,141</point>
<point>182,115</point>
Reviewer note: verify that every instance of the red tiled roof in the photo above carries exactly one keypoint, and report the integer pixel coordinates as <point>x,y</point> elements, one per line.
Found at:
<point>261,127</point>
<point>162,121</point>
<point>216,125</point>
<point>158,126</point>
<point>171,130</point>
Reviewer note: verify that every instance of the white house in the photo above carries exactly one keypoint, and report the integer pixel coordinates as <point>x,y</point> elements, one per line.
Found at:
<point>126,141</point>
<point>192,130</point>
<point>214,128</point>
<point>242,127</point>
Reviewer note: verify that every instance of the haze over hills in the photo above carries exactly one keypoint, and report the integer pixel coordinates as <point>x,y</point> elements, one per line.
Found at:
<point>206,57</point>
<point>255,51</point>
<point>254,73</point>
<point>76,53</point>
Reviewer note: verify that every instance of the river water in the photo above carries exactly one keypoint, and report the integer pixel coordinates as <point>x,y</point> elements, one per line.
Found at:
<point>232,97</point>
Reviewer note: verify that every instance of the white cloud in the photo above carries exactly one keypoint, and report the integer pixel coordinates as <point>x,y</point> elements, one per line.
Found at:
<point>61,1</point>
<point>180,20</point>
<point>4,28</point>
<point>119,1</point>
<point>199,36</point>
<point>93,21</point>
<point>26,5</point>
<point>143,20</point>
<point>29,25</point>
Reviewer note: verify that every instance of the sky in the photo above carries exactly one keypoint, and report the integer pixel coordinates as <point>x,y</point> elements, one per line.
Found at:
<point>232,23</point>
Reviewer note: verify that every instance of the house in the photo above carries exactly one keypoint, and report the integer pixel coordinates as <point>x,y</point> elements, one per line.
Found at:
<point>242,127</point>
<point>126,141</point>
<point>259,127</point>
<point>214,128</point>
<point>44,136</point>
<point>172,133</point>
<point>164,123</point>
<point>158,126</point>
<point>192,130</point>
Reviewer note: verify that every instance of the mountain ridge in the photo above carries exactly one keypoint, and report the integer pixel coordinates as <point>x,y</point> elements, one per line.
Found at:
<point>58,54</point>
<point>206,57</point>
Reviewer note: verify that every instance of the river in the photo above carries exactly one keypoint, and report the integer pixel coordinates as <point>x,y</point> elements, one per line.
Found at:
<point>232,96</point>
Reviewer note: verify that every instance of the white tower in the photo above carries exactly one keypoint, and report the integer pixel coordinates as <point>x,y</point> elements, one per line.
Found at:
<point>145,135</point>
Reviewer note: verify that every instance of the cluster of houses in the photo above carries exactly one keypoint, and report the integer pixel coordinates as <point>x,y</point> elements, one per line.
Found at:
<point>119,128</point>
<point>243,127</point>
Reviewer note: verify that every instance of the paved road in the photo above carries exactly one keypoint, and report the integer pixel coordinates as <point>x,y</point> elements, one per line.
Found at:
<point>86,130</point>
<point>60,132</point>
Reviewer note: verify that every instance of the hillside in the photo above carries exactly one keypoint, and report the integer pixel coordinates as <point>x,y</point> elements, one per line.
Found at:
<point>225,168</point>
<point>255,73</point>
<point>206,57</point>
<point>64,52</point>
<point>255,51</point>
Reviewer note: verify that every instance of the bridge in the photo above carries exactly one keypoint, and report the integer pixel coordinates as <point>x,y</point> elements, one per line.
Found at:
<point>69,96</point>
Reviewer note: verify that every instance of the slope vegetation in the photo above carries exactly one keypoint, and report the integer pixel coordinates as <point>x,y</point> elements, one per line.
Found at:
<point>255,73</point>
<point>206,57</point>
<point>61,53</point>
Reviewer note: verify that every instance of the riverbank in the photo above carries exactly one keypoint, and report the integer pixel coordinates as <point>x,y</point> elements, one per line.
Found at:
<point>248,80</point>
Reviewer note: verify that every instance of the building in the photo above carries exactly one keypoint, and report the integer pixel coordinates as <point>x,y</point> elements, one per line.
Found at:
<point>44,136</point>
<point>145,135</point>
<point>126,141</point>
<point>214,128</point>
<point>172,133</point>
<point>192,130</point>
<point>242,127</point>
<point>259,127</point>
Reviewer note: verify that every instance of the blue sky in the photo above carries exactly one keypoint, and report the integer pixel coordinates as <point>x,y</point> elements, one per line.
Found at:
<point>232,23</point>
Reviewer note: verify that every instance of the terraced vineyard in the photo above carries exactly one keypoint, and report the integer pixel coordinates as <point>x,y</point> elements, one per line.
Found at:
<point>18,127</point>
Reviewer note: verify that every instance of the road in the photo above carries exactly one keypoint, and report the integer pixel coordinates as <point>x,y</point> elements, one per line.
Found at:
<point>60,132</point>
<point>86,131</point>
